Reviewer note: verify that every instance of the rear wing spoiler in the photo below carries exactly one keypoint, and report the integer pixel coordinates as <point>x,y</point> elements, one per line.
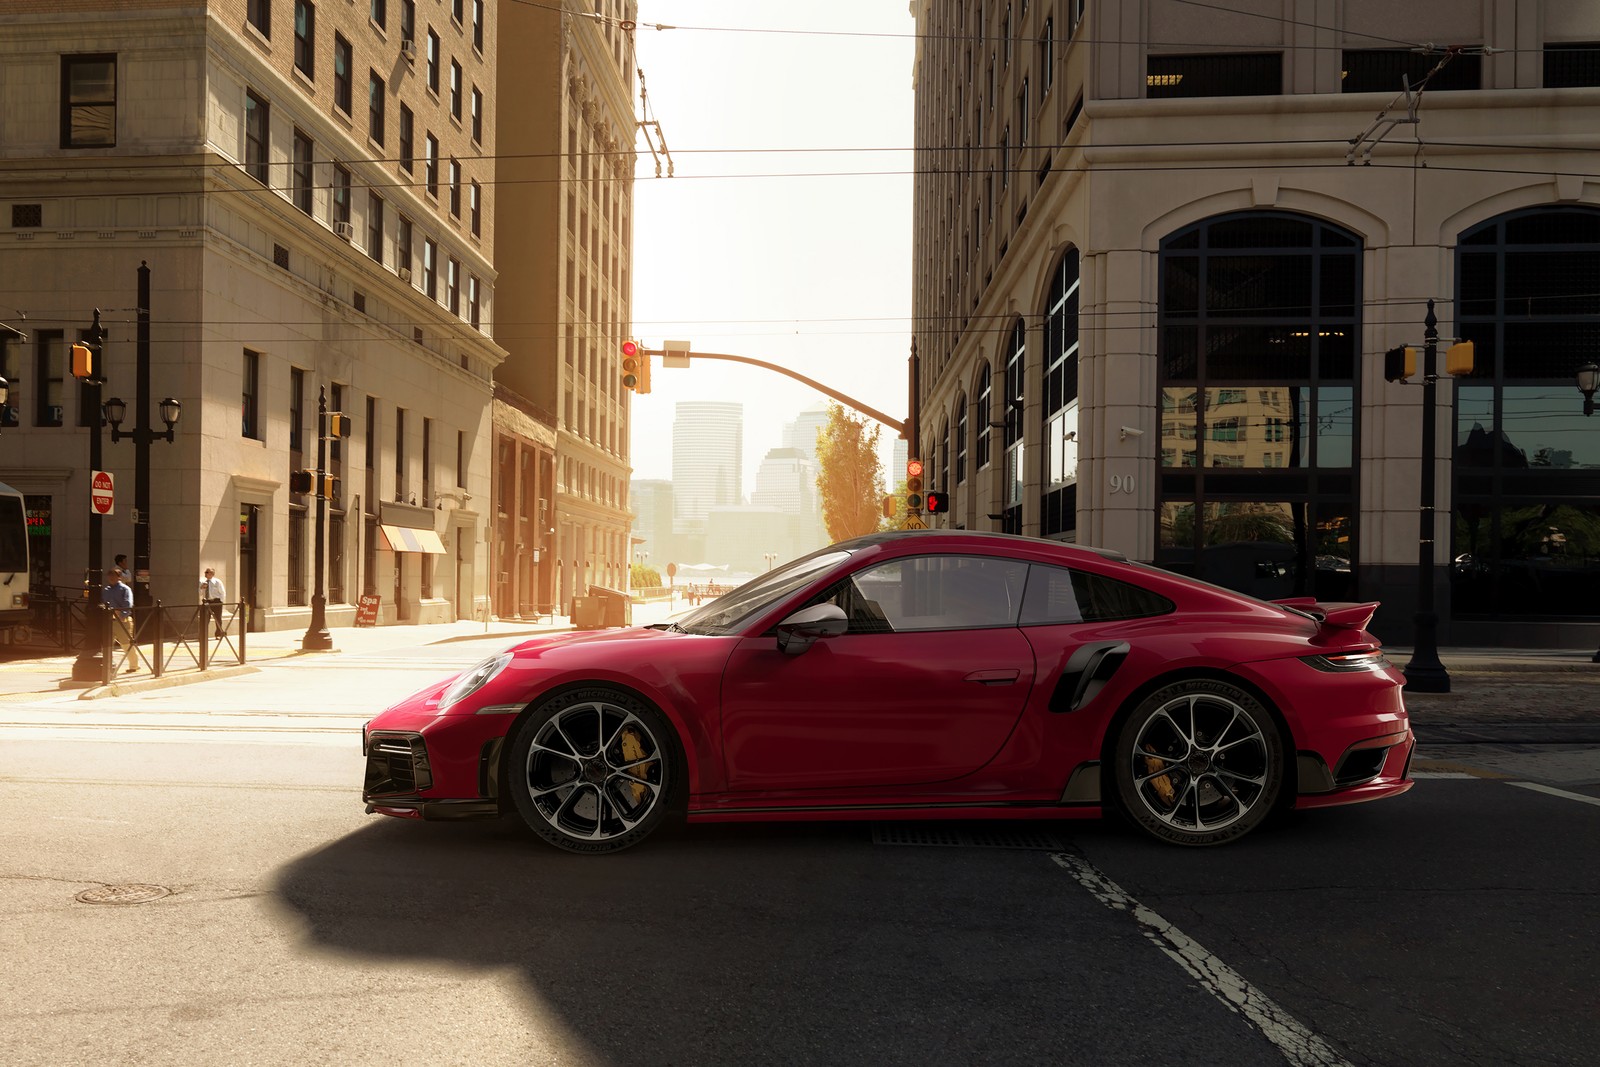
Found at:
<point>1331,616</point>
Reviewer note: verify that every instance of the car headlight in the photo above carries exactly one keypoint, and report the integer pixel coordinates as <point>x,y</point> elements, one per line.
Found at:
<point>473,679</point>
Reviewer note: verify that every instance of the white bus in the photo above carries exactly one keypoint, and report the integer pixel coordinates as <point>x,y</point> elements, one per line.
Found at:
<point>14,575</point>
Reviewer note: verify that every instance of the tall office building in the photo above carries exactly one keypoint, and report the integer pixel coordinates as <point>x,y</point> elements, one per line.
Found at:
<point>707,460</point>
<point>1156,296</point>
<point>565,258</point>
<point>299,196</point>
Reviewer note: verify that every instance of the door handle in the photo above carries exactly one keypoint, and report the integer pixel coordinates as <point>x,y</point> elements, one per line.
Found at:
<point>994,677</point>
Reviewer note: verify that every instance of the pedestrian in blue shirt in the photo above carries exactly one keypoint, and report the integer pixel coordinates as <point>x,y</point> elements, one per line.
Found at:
<point>118,600</point>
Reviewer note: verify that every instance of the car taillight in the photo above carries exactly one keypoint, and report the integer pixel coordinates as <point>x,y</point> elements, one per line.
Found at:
<point>1345,662</point>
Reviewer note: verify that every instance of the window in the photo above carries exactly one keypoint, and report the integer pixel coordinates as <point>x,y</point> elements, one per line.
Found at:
<point>430,166</point>
<point>1059,455</point>
<point>251,423</point>
<point>477,25</point>
<point>1389,70</point>
<point>400,454</point>
<point>475,203</point>
<point>305,35</point>
<point>1047,56</point>
<point>256,133</point>
<point>1059,596</point>
<point>377,100</point>
<point>378,12</point>
<point>302,172</point>
<point>452,285</point>
<point>455,188</point>
<point>477,116</point>
<point>961,438</point>
<point>458,12</point>
<point>1257,339</point>
<point>430,268</point>
<point>297,552</point>
<point>1570,65</point>
<point>297,416</point>
<point>340,212</point>
<point>89,101</point>
<point>342,90</point>
<point>455,90</point>
<point>433,62</point>
<point>50,376</point>
<point>985,415</point>
<point>11,370</point>
<point>402,245</point>
<point>375,227</point>
<point>1236,74</point>
<point>427,462</point>
<point>1022,113</point>
<point>931,593</point>
<point>1526,516</point>
<point>1011,405</point>
<point>473,309</point>
<point>461,457</point>
<point>408,20</point>
<point>259,14</point>
<point>408,160</point>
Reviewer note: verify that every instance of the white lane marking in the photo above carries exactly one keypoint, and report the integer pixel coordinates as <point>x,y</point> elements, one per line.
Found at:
<point>1442,774</point>
<point>1562,793</point>
<point>1300,1047</point>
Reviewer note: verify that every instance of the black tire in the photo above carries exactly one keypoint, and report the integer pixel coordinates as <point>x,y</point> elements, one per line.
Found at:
<point>594,770</point>
<point>1199,762</point>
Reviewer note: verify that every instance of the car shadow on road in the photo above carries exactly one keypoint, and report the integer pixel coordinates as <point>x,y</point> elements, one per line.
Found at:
<point>733,944</point>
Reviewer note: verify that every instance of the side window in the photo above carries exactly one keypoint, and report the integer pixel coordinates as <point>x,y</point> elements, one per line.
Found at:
<point>1059,595</point>
<point>931,593</point>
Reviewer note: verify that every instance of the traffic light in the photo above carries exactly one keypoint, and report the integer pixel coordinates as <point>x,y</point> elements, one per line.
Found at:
<point>86,362</point>
<point>339,424</point>
<point>891,504</point>
<point>938,503</point>
<point>329,487</point>
<point>1458,359</point>
<point>914,484</point>
<point>300,482</point>
<point>635,367</point>
<point>1399,364</point>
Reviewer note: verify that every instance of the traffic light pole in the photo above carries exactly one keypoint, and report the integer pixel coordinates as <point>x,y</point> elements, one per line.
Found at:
<point>1426,673</point>
<point>89,666</point>
<point>896,425</point>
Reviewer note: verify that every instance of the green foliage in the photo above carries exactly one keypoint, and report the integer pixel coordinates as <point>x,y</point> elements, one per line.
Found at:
<point>849,477</point>
<point>643,576</point>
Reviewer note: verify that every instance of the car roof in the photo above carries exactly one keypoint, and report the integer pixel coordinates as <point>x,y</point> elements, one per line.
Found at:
<point>999,540</point>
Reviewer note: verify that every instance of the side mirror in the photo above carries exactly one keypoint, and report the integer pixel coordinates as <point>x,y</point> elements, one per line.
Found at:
<point>799,631</point>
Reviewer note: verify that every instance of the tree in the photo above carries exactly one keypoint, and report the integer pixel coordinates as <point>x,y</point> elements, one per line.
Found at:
<point>849,477</point>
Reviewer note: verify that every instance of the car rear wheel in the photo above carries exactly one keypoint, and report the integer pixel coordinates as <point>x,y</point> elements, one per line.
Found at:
<point>1199,762</point>
<point>593,770</point>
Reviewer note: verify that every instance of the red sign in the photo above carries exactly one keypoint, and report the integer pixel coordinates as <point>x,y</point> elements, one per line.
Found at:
<point>103,493</point>
<point>367,610</point>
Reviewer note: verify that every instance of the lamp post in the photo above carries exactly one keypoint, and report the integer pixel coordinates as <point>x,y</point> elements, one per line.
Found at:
<point>770,557</point>
<point>317,638</point>
<point>143,435</point>
<point>1425,673</point>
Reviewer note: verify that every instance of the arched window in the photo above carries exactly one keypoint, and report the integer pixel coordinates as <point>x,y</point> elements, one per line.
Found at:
<point>943,482</point>
<point>1526,523</point>
<point>1012,401</point>
<point>961,438</point>
<point>1260,329</point>
<point>1058,514</point>
<point>985,415</point>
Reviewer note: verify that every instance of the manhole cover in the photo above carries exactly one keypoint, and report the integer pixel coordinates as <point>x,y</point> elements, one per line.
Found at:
<point>122,894</point>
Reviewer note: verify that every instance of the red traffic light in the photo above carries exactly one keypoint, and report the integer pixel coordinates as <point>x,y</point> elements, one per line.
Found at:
<point>936,502</point>
<point>913,468</point>
<point>630,348</point>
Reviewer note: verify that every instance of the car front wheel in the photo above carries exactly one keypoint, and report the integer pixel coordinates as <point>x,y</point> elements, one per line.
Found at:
<point>592,770</point>
<point>1199,762</point>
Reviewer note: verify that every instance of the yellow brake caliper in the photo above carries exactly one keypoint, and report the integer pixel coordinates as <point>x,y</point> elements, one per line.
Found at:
<point>633,749</point>
<point>1162,785</point>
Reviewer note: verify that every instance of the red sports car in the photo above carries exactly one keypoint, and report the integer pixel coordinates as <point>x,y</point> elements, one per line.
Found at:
<point>916,675</point>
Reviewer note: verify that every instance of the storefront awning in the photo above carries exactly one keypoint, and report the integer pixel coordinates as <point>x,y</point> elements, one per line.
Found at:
<point>405,539</point>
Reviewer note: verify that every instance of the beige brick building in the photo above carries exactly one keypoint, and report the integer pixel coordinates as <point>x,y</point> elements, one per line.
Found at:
<point>1158,267</point>
<point>311,186</point>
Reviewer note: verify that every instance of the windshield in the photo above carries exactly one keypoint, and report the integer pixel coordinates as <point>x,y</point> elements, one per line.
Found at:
<point>728,612</point>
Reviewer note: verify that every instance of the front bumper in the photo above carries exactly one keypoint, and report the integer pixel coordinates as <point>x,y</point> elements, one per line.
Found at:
<point>400,772</point>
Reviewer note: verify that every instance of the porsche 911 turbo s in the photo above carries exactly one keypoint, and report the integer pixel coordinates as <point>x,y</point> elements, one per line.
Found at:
<point>916,675</point>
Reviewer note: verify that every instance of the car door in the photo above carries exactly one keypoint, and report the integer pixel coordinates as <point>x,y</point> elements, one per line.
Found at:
<point>925,686</point>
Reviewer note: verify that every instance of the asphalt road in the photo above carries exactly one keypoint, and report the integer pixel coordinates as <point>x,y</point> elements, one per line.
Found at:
<point>1453,925</point>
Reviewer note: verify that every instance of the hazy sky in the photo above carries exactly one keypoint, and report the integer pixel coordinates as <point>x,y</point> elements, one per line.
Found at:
<point>764,243</point>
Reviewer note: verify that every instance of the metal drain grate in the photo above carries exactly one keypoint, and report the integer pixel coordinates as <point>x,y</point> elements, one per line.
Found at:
<point>937,836</point>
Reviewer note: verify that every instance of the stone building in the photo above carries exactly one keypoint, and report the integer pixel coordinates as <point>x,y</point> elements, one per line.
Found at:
<point>1162,248</point>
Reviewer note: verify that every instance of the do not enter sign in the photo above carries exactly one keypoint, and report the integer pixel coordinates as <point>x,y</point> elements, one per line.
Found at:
<point>103,493</point>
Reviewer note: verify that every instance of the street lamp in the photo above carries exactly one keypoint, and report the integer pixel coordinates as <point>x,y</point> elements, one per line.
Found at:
<point>1426,673</point>
<point>142,435</point>
<point>317,638</point>
<point>1588,381</point>
<point>770,557</point>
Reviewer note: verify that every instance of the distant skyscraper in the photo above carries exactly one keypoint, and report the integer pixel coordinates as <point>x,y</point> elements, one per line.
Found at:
<point>801,434</point>
<point>707,459</point>
<point>895,476</point>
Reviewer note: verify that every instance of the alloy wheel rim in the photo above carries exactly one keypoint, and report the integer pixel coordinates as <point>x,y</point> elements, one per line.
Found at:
<point>1200,763</point>
<point>595,771</point>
